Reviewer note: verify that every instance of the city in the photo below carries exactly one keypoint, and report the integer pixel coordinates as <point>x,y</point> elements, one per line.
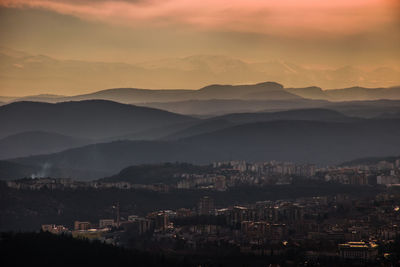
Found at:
<point>338,227</point>
<point>213,133</point>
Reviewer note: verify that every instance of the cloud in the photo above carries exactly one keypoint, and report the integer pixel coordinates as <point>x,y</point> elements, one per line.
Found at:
<point>283,17</point>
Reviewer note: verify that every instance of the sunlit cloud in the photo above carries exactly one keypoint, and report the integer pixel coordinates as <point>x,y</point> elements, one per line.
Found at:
<point>284,17</point>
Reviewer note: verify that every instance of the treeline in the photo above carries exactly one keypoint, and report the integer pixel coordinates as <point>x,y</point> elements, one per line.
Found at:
<point>45,249</point>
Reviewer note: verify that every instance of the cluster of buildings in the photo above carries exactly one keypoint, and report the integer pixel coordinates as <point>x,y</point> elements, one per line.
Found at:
<point>269,168</point>
<point>382,173</point>
<point>238,173</point>
<point>339,226</point>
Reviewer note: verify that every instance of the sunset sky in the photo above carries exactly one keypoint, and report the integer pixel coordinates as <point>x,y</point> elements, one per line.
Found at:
<point>311,33</point>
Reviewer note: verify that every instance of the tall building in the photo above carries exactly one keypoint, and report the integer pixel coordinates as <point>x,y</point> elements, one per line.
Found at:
<point>160,220</point>
<point>206,206</point>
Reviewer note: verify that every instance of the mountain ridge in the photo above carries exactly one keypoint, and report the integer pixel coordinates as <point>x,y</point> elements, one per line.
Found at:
<point>298,141</point>
<point>93,119</point>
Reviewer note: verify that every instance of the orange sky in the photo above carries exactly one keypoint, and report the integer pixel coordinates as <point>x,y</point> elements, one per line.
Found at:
<point>283,17</point>
<point>318,33</point>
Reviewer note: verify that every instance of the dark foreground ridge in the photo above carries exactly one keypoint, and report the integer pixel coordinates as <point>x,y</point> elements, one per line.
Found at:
<point>45,249</point>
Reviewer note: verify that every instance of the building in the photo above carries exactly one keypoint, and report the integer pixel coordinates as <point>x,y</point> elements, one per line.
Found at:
<point>182,212</point>
<point>206,206</point>
<point>105,223</point>
<point>54,229</point>
<point>358,250</point>
<point>387,180</point>
<point>81,225</point>
<point>160,220</point>
<point>220,183</point>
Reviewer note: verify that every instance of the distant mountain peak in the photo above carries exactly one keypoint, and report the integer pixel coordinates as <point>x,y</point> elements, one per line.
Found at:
<point>271,85</point>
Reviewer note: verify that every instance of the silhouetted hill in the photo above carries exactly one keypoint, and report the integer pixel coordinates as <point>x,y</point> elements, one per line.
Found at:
<point>155,133</point>
<point>225,121</point>
<point>347,94</point>
<point>94,119</point>
<point>298,141</point>
<point>266,91</point>
<point>365,109</point>
<point>202,127</point>
<point>361,93</point>
<point>34,143</point>
<point>156,173</point>
<point>317,114</point>
<point>135,95</point>
<point>306,141</point>
<point>312,92</point>
<point>216,107</point>
<point>392,115</point>
<point>109,158</point>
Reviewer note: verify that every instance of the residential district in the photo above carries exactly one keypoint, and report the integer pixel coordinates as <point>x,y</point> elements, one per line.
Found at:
<point>341,226</point>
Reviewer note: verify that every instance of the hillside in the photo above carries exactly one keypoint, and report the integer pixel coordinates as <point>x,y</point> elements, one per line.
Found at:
<point>225,121</point>
<point>316,114</point>
<point>266,91</point>
<point>347,94</point>
<point>216,107</point>
<point>298,141</point>
<point>202,127</point>
<point>33,143</point>
<point>302,141</point>
<point>156,173</point>
<point>92,119</point>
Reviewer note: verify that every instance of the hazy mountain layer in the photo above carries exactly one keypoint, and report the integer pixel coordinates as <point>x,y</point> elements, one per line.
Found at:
<point>95,119</point>
<point>43,74</point>
<point>298,141</point>
<point>347,94</point>
<point>217,123</point>
<point>33,143</point>
<point>209,108</point>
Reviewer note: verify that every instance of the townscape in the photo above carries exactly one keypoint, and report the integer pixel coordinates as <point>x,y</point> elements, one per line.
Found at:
<point>340,226</point>
<point>224,175</point>
<point>182,133</point>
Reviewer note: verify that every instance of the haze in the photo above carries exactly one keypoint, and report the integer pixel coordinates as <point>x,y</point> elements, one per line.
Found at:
<point>189,44</point>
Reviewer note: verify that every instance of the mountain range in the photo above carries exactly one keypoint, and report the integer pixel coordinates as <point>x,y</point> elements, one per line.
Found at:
<point>20,70</point>
<point>91,119</point>
<point>89,138</point>
<point>34,143</point>
<point>320,142</point>
<point>265,91</point>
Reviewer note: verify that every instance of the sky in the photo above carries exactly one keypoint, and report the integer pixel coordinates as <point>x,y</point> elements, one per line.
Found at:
<point>311,33</point>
